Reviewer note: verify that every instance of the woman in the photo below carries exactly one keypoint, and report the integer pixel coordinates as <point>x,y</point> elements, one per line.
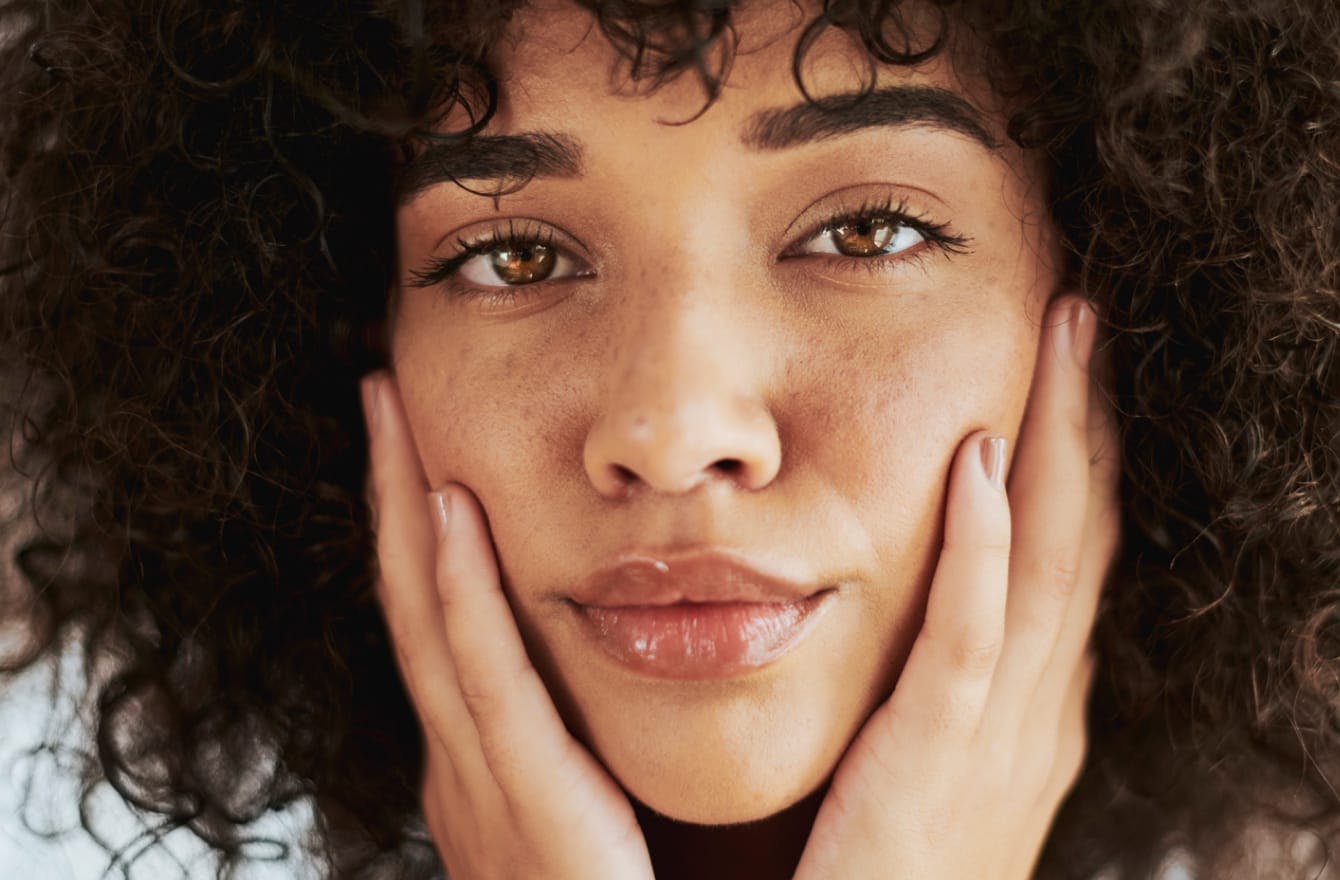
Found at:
<point>749,353</point>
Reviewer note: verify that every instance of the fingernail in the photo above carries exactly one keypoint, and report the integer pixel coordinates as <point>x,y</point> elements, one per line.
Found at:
<point>441,504</point>
<point>993,461</point>
<point>370,389</point>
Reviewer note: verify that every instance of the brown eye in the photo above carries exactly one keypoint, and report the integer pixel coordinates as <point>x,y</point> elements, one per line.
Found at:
<point>523,263</point>
<point>878,235</point>
<point>864,237</point>
<point>514,263</point>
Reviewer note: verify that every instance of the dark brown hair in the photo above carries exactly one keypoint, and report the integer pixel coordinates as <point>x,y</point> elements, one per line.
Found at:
<point>195,245</point>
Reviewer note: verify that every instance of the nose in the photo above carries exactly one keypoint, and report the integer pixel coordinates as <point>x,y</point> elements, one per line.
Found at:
<point>683,405</point>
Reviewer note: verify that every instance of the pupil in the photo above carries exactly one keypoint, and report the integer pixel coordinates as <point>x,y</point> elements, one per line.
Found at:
<point>524,264</point>
<point>866,237</point>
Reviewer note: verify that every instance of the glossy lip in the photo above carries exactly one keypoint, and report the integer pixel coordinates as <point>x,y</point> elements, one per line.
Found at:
<point>705,615</point>
<point>650,578</point>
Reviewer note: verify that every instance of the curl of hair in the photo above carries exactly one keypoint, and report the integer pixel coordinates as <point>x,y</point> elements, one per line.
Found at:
<point>195,208</point>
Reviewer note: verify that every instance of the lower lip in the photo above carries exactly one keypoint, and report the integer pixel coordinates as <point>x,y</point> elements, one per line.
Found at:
<point>690,640</point>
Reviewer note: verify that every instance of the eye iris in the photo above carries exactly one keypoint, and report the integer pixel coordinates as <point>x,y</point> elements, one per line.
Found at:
<point>523,264</point>
<point>867,237</point>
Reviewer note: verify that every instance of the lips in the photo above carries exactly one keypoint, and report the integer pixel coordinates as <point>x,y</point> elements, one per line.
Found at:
<point>700,616</point>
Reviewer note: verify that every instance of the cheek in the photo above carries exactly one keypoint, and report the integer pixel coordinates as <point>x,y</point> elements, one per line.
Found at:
<point>869,418</point>
<point>882,418</point>
<point>508,422</point>
<point>497,419</point>
<point>875,417</point>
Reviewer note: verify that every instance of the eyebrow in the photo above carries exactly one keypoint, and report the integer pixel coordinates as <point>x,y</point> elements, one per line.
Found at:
<point>507,161</point>
<point>836,115</point>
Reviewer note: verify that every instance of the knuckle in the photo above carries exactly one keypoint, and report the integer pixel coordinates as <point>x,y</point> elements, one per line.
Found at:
<point>506,767</point>
<point>446,601</point>
<point>1060,572</point>
<point>998,551</point>
<point>974,654</point>
<point>485,703</point>
<point>994,550</point>
<point>968,648</point>
<point>955,715</point>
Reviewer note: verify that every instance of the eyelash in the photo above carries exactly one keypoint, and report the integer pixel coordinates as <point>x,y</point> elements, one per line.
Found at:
<point>439,270</point>
<point>937,235</point>
<point>442,269</point>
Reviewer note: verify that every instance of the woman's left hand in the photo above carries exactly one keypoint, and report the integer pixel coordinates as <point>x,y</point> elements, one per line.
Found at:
<point>960,773</point>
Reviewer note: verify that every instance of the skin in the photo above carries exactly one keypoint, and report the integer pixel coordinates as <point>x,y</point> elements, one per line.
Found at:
<point>702,384</point>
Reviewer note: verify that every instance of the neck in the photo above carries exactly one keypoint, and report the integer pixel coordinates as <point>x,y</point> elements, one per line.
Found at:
<point>768,849</point>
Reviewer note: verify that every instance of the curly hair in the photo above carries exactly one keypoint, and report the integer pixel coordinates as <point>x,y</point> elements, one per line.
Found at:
<point>195,252</point>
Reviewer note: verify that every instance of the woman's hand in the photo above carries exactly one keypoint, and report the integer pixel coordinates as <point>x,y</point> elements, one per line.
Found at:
<point>960,773</point>
<point>508,792</point>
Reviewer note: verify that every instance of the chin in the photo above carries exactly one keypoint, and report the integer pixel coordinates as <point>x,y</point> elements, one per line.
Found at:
<point>719,796</point>
<point>722,758</point>
<point>719,805</point>
<point>729,750</point>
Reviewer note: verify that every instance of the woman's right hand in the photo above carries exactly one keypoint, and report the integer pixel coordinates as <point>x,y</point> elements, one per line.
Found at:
<point>507,791</point>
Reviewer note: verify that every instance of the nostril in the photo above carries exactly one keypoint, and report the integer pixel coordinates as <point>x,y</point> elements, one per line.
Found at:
<point>627,477</point>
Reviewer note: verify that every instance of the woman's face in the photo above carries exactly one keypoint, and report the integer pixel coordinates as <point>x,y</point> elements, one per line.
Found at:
<point>758,336</point>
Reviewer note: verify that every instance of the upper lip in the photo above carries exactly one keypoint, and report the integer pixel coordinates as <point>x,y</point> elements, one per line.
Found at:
<point>655,578</point>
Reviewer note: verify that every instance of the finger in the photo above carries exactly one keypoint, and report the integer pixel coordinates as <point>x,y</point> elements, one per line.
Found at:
<point>1072,737</point>
<point>396,485</point>
<point>1102,530</point>
<point>525,745</point>
<point>1060,769</point>
<point>406,555</point>
<point>944,685</point>
<point>1049,495</point>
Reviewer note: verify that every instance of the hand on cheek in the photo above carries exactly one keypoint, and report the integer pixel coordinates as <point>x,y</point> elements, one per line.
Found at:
<point>507,791</point>
<point>960,772</point>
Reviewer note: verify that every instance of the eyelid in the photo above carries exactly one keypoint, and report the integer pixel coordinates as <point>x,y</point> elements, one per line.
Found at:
<point>863,196</point>
<point>520,229</point>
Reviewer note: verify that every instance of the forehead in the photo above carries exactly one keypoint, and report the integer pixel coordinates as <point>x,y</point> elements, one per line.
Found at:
<point>567,104</point>
<point>555,67</point>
